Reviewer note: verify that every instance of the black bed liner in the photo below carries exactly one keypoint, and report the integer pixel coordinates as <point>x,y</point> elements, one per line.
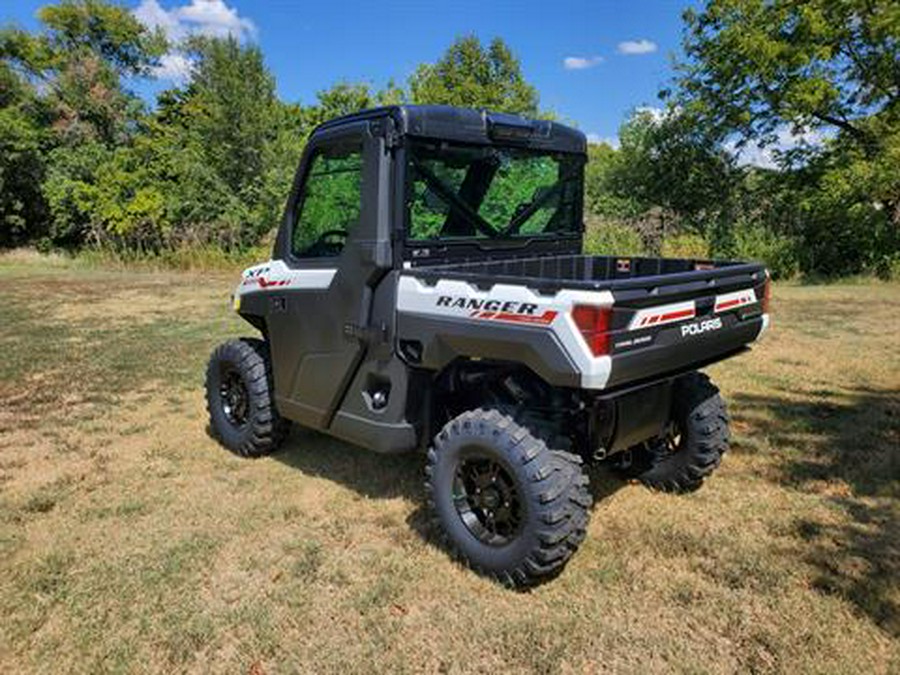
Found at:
<point>636,280</point>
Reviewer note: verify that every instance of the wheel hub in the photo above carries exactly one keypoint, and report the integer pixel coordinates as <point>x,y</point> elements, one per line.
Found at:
<point>487,500</point>
<point>234,398</point>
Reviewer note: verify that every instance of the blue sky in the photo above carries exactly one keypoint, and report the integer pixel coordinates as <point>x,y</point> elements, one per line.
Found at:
<point>592,62</point>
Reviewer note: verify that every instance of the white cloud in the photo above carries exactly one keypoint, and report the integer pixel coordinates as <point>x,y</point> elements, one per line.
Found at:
<point>656,114</point>
<point>213,18</point>
<point>786,139</point>
<point>597,139</point>
<point>636,47</point>
<point>152,15</point>
<point>581,62</point>
<point>175,67</point>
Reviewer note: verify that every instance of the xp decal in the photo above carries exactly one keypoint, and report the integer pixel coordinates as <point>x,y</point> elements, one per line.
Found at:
<point>276,275</point>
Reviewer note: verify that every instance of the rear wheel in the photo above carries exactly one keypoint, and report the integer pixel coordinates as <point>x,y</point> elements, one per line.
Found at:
<point>504,503</point>
<point>694,443</point>
<point>240,398</point>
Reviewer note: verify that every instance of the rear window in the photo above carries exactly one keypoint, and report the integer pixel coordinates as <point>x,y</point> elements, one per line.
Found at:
<point>459,191</point>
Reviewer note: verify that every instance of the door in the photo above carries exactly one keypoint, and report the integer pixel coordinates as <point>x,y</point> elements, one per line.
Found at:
<point>329,241</point>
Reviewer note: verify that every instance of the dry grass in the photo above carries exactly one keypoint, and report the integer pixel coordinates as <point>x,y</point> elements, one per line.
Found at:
<point>129,541</point>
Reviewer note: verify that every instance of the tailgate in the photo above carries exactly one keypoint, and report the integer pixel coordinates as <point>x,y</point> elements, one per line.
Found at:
<point>685,323</point>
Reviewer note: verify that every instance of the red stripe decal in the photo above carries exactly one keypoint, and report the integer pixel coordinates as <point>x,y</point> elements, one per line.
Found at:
<point>729,303</point>
<point>266,284</point>
<point>544,319</point>
<point>680,314</point>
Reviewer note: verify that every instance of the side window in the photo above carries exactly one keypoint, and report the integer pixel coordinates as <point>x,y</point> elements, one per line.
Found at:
<point>329,203</point>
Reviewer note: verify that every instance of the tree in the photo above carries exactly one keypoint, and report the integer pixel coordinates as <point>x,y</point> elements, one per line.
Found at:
<point>22,143</point>
<point>79,61</point>
<point>602,196</point>
<point>61,95</point>
<point>756,68</point>
<point>753,66</point>
<point>230,104</point>
<point>342,98</point>
<point>471,76</point>
<point>202,170</point>
<point>667,175</point>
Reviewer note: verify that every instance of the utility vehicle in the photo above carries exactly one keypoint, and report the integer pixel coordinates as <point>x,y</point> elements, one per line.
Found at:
<point>427,290</point>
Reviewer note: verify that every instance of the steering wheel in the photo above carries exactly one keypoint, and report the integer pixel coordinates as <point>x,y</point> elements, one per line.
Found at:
<point>323,247</point>
<point>328,234</point>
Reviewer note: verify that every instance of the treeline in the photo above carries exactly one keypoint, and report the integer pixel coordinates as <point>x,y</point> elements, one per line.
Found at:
<point>818,84</point>
<point>84,162</point>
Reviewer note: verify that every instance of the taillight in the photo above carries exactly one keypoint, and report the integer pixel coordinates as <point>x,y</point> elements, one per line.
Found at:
<point>593,323</point>
<point>767,295</point>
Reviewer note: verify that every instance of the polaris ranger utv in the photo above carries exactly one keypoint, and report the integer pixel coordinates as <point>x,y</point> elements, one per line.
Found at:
<point>427,290</point>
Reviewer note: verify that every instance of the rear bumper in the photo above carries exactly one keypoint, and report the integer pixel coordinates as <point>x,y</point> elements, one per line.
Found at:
<point>671,352</point>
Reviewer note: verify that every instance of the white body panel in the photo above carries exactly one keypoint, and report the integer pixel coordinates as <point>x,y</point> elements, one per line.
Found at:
<point>553,312</point>
<point>275,274</point>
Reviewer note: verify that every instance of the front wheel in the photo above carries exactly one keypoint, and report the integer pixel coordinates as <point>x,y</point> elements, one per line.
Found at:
<point>240,398</point>
<point>694,443</point>
<point>506,504</point>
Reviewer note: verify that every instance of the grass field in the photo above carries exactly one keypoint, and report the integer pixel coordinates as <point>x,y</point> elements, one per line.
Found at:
<point>130,541</point>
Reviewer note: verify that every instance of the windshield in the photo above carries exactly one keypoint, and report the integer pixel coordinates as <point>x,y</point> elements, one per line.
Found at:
<point>489,192</point>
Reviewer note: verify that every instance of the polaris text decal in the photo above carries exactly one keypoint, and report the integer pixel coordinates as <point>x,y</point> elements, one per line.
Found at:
<point>701,327</point>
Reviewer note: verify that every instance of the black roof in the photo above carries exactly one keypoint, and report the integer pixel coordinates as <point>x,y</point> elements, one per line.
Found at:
<point>468,125</point>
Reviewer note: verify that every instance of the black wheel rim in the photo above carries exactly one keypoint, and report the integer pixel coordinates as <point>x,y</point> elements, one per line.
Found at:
<point>233,397</point>
<point>487,500</point>
<point>670,443</point>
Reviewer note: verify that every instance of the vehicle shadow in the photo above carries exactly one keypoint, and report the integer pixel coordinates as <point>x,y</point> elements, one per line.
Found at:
<point>844,444</point>
<point>368,473</point>
<point>379,476</point>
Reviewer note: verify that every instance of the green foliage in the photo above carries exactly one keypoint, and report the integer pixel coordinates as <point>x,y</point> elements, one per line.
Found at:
<point>341,99</point>
<point>755,65</point>
<point>758,243</point>
<point>83,162</point>
<point>107,30</point>
<point>686,245</point>
<point>230,106</point>
<point>605,193</point>
<point>666,178</point>
<point>22,143</point>
<point>756,68</point>
<point>608,237</point>
<point>71,192</point>
<point>667,162</point>
<point>472,76</point>
<point>79,60</point>
<point>63,111</point>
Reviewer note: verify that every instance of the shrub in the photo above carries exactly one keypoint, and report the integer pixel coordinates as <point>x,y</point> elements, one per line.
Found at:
<point>778,252</point>
<point>608,237</point>
<point>685,246</point>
